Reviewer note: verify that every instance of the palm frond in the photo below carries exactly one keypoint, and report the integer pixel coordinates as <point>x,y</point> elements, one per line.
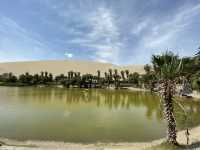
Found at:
<point>167,65</point>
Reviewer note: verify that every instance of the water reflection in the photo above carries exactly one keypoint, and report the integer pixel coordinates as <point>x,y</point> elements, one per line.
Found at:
<point>102,98</point>
<point>80,115</point>
<point>113,99</point>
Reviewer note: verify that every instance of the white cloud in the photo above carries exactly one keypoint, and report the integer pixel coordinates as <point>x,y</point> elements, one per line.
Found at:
<point>69,55</point>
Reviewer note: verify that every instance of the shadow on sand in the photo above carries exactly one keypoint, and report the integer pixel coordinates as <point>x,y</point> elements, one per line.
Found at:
<point>195,145</point>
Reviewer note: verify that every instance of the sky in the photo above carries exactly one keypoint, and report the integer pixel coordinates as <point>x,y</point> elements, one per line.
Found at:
<point>115,31</point>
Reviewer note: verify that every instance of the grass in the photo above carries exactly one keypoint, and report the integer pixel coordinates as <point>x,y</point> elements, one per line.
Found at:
<point>17,84</point>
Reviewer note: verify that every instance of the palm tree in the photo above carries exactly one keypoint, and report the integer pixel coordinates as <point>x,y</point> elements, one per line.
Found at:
<point>110,77</point>
<point>127,74</point>
<point>98,74</point>
<point>116,79</point>
<point>36,79</point>
<point>147,68</point>
<point>167,68</point>
<point>110,73</point>
<point>106,78</point>
<point>123,76</point>
<point>50,78</point>
<point>134,78</point>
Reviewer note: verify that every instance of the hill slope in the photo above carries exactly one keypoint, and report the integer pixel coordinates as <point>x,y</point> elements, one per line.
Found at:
<point>63,66</point>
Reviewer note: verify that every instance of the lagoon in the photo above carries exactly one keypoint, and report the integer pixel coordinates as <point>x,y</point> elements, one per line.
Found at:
<point>86,116</point>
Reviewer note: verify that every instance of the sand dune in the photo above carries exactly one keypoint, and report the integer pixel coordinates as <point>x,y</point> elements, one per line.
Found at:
<point>63,66</point>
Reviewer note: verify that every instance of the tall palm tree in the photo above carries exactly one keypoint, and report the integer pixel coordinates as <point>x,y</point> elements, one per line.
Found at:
<point>167,68</point>
<point>110,73</point>
<point>147,68</point>
<point>116,78</point>
<point>98,74</point>
<point>127,74</point>
<point>106,78</point>
<point>50,78</point>
<point>110,76</point>
<point>123,76</point>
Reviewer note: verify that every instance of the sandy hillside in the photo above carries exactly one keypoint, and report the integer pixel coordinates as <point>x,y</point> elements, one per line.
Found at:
<point>58,67</point>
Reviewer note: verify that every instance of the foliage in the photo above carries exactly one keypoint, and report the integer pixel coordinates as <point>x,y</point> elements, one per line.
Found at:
<point>134,78</point>
<point>167,65</point>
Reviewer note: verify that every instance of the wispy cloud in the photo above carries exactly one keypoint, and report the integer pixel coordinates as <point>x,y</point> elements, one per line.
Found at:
<point>103,36</point>
<point>16,43</point>
<point>156,36</point>
<point>167,30</point>
<point>119,32</point>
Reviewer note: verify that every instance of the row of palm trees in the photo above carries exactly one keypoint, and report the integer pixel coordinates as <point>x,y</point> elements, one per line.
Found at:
<point>110,78</point>
<point>75,79</point>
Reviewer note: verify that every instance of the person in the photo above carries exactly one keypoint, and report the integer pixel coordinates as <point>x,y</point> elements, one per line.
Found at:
<point>187,135</point>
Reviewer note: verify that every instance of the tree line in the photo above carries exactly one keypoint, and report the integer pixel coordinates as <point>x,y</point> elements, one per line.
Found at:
<point>113,78</point>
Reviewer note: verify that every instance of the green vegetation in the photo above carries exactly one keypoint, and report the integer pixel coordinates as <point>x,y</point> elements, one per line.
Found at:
<point>112,78</point>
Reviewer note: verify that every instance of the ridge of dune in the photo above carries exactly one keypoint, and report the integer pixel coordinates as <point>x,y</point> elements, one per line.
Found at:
<point>57,67</point>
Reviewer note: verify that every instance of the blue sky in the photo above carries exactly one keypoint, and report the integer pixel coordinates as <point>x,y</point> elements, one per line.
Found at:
<point>116,31</point>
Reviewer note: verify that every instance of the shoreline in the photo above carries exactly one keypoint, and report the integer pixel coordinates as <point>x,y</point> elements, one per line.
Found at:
<point>56,145</point>
<point>195,94</point>
<point>53,145</point>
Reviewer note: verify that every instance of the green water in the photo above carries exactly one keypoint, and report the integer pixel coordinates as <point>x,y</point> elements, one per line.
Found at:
<point>78,115</point>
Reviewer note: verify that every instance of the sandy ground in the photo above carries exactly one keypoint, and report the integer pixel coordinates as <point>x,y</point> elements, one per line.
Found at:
<point>57,67</point>
<point>195,95</point>
<point>39,145</point>
<point>138,89</point>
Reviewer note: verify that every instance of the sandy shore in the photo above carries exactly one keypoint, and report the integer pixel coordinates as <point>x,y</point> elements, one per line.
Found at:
<point>48,145</point>
<point>196,95</point>
<point>42,145</point>
<point>138,89</point>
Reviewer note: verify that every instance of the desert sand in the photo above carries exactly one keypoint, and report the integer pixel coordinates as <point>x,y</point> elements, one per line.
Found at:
<point>56,67</point>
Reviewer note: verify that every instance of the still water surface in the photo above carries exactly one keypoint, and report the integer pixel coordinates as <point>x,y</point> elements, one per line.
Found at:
<point>78,115</point>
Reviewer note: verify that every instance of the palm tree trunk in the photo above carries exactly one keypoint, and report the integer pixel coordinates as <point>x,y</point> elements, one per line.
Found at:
<point>167,95</point>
